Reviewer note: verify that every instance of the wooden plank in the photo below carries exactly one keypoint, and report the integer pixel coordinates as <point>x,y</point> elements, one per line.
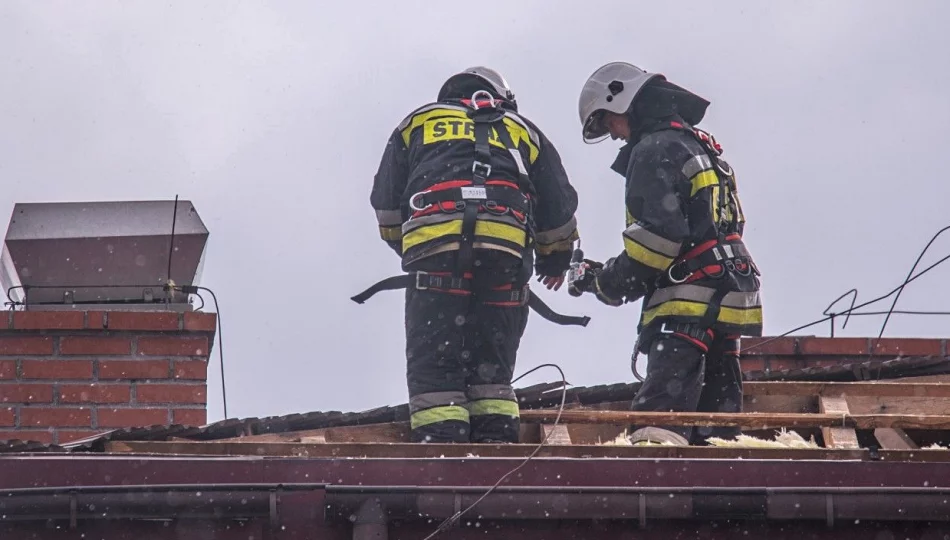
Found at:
<point>837,437</point>
<point>894,439</point>
<point>903,405</point>
<point>436,451</point>
<point>882,389</point>
<point>556,435</point>
<point>745,420</point>
<point>390,431</point>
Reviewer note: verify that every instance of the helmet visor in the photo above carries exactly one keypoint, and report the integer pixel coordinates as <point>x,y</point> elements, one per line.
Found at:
<point>594,129</point>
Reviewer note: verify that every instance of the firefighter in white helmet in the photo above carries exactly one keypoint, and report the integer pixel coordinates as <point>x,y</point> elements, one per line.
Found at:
<point>683,250</point>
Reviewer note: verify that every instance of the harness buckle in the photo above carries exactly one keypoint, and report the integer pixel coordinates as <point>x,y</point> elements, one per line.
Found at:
<point>419,277</point>
<point>481,169</point>
<point>415,206</point>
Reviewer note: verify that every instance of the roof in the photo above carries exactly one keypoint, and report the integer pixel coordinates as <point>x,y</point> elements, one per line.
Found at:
<point>310,474</point>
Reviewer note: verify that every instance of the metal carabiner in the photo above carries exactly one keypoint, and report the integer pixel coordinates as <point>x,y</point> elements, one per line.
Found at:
<point>491,99</point>
<point>719,165</point>
<point>412,201</point>
<point>669,275</point>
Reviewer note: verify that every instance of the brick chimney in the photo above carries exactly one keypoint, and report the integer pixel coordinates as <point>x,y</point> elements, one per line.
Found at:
<point>70,374</point>
<point>100,334</point>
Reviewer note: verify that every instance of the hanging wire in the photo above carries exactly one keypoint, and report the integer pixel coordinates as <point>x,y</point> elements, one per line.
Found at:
<point>451,520</point>
<point>910,278</point>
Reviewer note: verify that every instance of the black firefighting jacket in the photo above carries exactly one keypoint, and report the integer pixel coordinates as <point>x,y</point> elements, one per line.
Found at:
<point>683,249</point>
<point>433,149</point>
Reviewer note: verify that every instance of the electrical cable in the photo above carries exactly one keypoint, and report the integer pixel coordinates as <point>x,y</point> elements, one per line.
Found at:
<point>865,304</point>
<point>912,268</point>
<point>449,521</point>
<point>854,298</point>
<point>202,306</point>
<point>217,309</point>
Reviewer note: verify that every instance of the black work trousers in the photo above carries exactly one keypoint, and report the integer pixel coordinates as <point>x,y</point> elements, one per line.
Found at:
<point>461,354</point>
<point>681,377</point>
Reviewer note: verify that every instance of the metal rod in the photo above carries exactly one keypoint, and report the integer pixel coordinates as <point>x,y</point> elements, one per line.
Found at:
<point>171,251</point>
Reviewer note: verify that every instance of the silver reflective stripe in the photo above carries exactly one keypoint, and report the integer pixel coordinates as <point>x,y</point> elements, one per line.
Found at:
<point>728,250</point>
<point>408,120</point>
<point>531,133</point>
<point>697,293</point>
<point>516,155</point>
<point>560,233</point>
<point>491,391</point>
<point>433,219</point>
<point>652,241</point>
<point>696,165</point>
<point>389,218</point>
<point>436,399</point>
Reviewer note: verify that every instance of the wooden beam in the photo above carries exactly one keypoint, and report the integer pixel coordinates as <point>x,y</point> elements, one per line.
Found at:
<point>436,451</point>
<point>745,420</point>
<point>881,389</point>
<point>837,437</point>
<point>903,405</point>
<point>894,439</point>
<point>390,432</point>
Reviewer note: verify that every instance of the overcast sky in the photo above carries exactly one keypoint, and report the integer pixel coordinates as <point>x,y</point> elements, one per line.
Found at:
<point>271,118</point>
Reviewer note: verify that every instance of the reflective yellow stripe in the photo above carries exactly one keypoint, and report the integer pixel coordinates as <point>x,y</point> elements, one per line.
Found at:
<point>494,406</point>
<point>491,229</point>
<point>562,245</point>
<point>391,234</point>
<point>740,316</point>
<point>685,308</point>
<point>438,414</point>
<point>644,256</point>
<point>437,129</point>
<point>703,180</point>
<point>421,119</point>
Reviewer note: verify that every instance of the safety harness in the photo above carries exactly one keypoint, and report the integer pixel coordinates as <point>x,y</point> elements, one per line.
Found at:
<point>481,194</point>
<point>713,258</point>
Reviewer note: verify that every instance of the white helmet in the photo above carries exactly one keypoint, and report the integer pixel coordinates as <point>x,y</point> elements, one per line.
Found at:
<point>615,86</point>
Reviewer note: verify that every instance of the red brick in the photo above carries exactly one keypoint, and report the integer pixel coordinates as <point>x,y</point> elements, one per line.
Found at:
<point>55,417</point>
<point>56,369</point>
<point>47,320</point>
<point>190,417</point>
<point>95,393</point>
<point>782,345</point>
<point>94,320</point>
<point>7,416</point>
<point>17,345</point>
<point>120,418</point>
<point>132,320</point>
<point>191,369</point>
<point>133,369</point>
<point>173,346</point>
<point>752,364</point>
<point>95,345</point>
<point>26,393</point>
<point>907,347</point>
<point>7,369</point>
<point>828,346</point>
<point>65,436</point>
<point>200,322</point>
<point>44,436</point>
<point>171,393</point>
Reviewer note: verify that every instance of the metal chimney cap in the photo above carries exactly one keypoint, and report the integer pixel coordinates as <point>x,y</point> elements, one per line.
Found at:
<point>116,252</point>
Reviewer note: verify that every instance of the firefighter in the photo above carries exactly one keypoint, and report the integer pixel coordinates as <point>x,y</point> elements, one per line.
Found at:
<point>683,250</point>
<point>475,200</point>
